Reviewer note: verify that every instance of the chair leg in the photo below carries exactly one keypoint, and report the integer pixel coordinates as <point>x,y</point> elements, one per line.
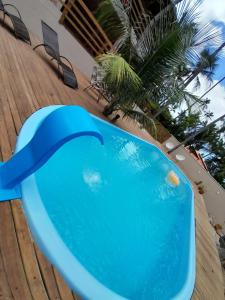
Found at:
<point>58,70</point>
<point>58,65</point>
<point>88,87</point>
<point>3,20</point>
<point>99,97</point>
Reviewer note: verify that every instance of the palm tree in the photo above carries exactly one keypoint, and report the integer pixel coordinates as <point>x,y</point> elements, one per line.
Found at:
<point>201,105</point>
<point>209,64</point>
<point>199,68</point>
<point>206,101</point>
<point>168,41</point>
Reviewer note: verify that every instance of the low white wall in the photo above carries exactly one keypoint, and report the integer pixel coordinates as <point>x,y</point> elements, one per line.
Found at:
<point>214,194</point>
<point>33,11</point>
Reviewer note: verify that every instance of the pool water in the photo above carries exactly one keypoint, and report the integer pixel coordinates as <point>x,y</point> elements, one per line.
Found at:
<point>117,213</point>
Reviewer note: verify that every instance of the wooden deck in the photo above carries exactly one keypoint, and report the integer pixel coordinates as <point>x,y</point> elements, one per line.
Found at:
<point>27,82</point>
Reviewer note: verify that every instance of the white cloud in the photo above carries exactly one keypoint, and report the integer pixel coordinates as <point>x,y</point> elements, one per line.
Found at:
<point>217,96</point>
<point>213,10</point>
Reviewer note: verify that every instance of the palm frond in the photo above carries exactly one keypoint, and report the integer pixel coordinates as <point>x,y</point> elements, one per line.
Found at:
<point>107,16</point>
<point>115,20</point>
<point>118,72</point>
<point>191,99</point>
<point>197,83</point>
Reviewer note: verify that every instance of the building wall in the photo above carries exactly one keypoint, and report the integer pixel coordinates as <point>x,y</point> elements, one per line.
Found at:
<point>33,11</point>
<point>214,194</point>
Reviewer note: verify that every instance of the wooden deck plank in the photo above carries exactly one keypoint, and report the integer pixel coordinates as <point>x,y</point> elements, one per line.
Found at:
<point>64,290</point>
<point>28,254</point>
<point>25,243</point>
<point>48,276</point>
<point>28,82</point>
<point>13,265</point>
<point>5,292</point>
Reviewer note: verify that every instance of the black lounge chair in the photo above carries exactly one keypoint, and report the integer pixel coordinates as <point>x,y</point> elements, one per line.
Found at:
<point>20,29</point>
<point>51,44</point>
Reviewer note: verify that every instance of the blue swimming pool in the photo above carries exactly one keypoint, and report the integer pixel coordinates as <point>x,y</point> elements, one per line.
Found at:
<point>108,218</point>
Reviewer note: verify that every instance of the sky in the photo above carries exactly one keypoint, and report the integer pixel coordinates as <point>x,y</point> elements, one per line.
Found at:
<point>214,11</point>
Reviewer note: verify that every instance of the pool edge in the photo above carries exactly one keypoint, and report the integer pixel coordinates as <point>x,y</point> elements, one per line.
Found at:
<point>184,293</point>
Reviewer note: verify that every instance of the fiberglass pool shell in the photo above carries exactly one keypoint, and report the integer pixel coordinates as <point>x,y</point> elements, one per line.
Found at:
<point>108,219</point>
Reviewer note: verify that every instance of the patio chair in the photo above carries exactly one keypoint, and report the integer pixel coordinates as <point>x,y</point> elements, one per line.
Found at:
<point>98,84</point>
<point>19,27</point>
<point>51,45</point>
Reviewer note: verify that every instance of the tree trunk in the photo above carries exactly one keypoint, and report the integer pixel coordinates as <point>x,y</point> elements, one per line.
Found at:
<point>162,108</point>
<point>183,113</point>
<point>195,134</point>
<point>210,153</point>
<point>201,67</point>
<point>209,90</point>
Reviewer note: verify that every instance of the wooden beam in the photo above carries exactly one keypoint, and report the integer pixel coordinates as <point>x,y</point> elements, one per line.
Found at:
<point>90,27</point>
<point>81,34</point>
<point>89,13</point>
<point>85,25</point>
<point>66,8</point>
<point>76,18</point>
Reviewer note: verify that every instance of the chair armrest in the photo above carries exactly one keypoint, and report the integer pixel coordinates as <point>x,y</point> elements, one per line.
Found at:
<point>67,61</point>
<point>47,46</point>
<point>11,5</point>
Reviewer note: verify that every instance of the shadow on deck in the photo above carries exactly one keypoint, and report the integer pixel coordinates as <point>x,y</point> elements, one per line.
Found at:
<point>27,83</point>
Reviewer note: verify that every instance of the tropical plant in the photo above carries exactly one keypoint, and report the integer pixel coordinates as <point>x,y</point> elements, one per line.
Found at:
<point>205,102</point>
<point>161,56</point>
<point>203,129</point>
<point>199,134</point>
<point>205,66</point>
<point>212,144</point>
<point>208,63</point>
<point>200,107</point>
<point>119,76</point>
<point>184,125</point>
<point>200,67</point>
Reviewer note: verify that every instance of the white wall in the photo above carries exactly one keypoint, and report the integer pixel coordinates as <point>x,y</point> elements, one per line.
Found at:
<point>214,194</point>
<point>33,11</point>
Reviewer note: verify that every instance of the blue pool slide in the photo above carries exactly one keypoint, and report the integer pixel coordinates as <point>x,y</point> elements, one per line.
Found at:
<point>60,126</point>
